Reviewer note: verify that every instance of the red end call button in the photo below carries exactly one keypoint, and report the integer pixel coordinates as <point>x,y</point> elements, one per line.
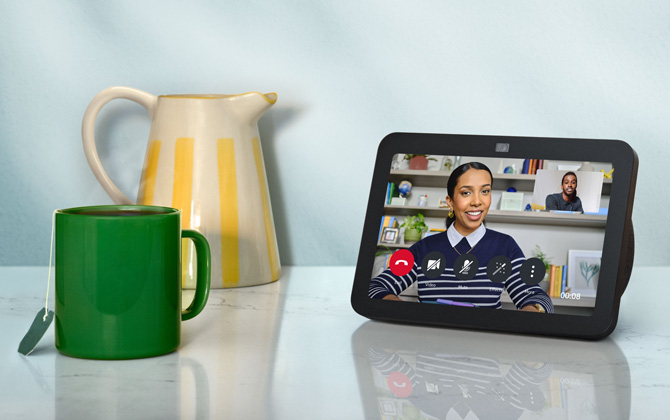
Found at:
<point>401,262</point>
<point>399,384</point>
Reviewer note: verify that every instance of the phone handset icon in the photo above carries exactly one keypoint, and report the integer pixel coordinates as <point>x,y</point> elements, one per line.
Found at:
<point>401,262</point>
<point>399,384</point>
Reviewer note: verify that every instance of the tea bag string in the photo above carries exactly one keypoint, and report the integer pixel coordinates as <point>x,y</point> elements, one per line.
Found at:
<point>51,253</point>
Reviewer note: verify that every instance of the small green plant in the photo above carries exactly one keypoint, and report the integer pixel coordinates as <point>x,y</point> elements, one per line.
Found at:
<point>542,256</point>
<point>415,222</point>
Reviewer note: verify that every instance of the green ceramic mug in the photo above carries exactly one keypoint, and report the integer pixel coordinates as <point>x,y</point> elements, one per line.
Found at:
<point>118,281</point>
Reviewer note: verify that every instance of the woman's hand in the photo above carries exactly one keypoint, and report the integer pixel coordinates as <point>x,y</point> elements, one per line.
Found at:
<point>530,308</point>
<point>392,297</point>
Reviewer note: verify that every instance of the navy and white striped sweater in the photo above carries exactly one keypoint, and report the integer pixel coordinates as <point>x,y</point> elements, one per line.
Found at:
<point>479,290</point>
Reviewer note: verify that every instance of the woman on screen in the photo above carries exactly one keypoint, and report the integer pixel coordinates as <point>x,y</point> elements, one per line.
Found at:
<point>469,197</point>
<point>567,199</point>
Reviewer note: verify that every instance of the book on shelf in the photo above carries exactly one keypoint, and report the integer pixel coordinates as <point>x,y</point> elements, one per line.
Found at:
<point>434,231</point>
<point>391,191</point>
<point>552,280</point>
<point>530,166</point>
<point>558,278</point>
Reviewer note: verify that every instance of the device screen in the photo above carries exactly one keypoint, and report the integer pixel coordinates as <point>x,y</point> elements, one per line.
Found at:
<point>477,232</point>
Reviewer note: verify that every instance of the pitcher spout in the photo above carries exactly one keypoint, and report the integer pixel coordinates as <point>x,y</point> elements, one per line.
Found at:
<point>252,105</point>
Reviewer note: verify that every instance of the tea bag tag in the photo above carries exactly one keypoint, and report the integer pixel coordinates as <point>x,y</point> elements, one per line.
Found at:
<point>36,331</point>
<point>44,316</point>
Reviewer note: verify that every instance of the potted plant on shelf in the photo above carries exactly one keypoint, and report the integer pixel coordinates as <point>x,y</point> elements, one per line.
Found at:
<point>419,162</point>
<point>414,227</point>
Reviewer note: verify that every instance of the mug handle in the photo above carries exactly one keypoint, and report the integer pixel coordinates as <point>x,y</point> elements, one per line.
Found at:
<point>147,100</point>
<point>202,282</point>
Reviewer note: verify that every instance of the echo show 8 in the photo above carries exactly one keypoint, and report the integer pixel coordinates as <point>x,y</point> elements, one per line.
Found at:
<point>518,234</point>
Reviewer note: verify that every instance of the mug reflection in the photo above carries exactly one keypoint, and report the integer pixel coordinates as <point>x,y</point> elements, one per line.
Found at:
<point>163,387</point>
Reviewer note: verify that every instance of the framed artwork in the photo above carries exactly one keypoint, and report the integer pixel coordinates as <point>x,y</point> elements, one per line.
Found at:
<point>583,272</point>
<point>390,235</point>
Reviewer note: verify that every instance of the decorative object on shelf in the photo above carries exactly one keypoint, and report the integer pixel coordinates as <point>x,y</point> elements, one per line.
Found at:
<point>418,162</point>
<point>404,188</point>
<point>204,157</point>
<point>583,272</point>
<point>447,164</point>
<point>423,200</point>
<point>397,159</point>
<point>387,221</point>
<point>512,201</point>
<point>414,227</point>
<point>390,235</point>
<point>509,170</point>
<point>443,203</point>
<point>607,175</point>
<point>586,166</point>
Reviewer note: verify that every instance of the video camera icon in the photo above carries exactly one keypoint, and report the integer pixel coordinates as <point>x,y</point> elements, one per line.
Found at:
<point>433,264</point>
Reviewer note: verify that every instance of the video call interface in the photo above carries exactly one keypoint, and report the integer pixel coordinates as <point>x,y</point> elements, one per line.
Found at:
<point>526,236</point>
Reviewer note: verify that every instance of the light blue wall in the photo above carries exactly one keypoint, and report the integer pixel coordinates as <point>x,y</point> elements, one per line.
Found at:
<point>347,73</point>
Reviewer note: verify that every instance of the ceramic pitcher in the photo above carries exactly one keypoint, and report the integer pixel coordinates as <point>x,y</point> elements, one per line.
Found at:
<point>204,157</point>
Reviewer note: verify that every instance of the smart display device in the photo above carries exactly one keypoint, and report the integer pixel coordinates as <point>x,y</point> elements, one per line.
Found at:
<point>517,234</point>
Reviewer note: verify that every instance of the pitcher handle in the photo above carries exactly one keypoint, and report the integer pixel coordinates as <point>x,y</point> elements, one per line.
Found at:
<point>147,100</point>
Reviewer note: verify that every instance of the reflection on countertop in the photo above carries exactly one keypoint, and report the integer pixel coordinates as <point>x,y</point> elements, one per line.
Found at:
<point>295,349</point>
<point>424,373</point>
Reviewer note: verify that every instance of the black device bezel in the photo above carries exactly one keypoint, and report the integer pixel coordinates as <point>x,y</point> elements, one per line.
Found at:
<point>618,244</point>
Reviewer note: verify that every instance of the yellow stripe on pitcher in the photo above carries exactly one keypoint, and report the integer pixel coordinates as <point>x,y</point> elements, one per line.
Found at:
<point>182,185</point>
<point>149,178</point>
<point>273,254</point>
<point>230,254</point>
<point>182,191</point>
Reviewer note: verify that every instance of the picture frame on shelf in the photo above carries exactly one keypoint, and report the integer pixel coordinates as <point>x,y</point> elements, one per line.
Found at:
<point>390,235</point>
<point>511,201</point>
<point>584,271</point>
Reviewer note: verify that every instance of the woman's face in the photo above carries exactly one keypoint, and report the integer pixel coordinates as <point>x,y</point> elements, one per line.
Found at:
<point>569,185</point>
<point>471,200</point>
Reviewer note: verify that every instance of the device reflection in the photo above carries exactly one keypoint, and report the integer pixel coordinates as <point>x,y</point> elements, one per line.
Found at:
<point>424,373</point>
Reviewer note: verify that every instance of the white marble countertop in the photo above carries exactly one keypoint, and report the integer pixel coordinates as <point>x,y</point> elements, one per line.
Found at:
<point>295,350</point>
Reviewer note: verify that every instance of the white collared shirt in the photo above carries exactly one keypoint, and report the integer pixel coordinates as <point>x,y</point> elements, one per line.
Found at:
<point>455,237</point>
